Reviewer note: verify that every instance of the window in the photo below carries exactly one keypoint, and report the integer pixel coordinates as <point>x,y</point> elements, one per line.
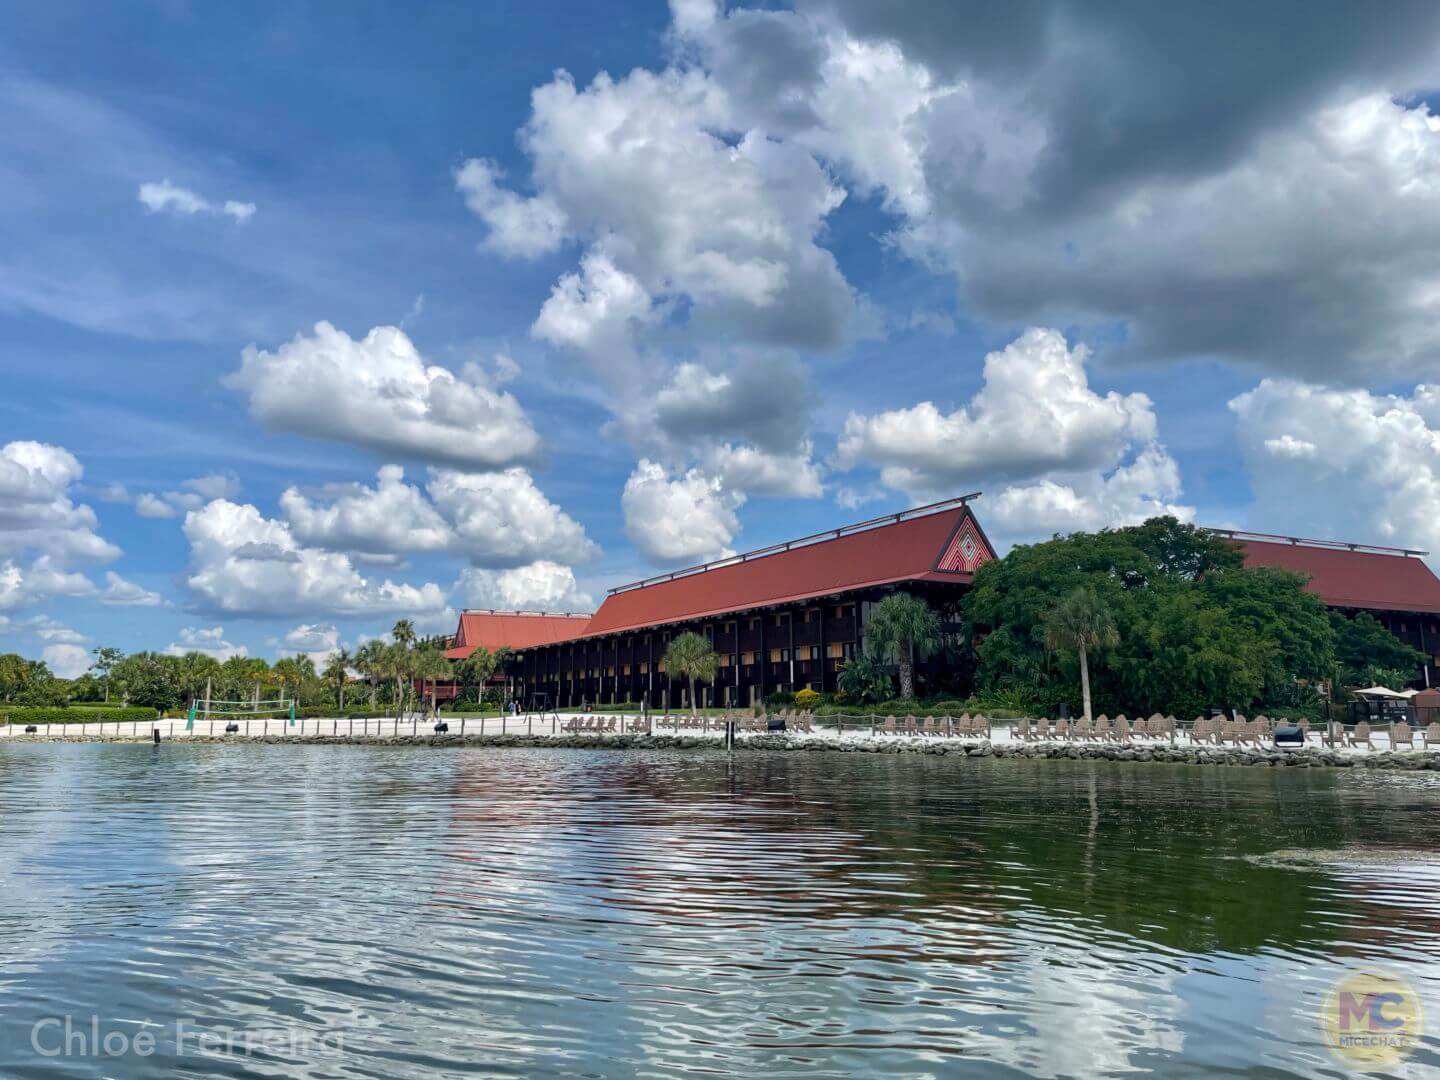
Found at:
<point>724,660</point>
<point>729,628</point>
<point>754,624</point>
<point>814,652</point>
<point>644,668</point>
<point>779,656</point>
<point>779,620</point>
<point>625,669</point>
<point>747,658</point>
<point>835,650</point>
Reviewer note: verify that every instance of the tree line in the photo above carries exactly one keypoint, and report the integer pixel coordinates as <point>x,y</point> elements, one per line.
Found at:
<point>379,675</point>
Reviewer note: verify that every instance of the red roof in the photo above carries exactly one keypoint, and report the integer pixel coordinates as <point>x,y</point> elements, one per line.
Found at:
<point>512,629</point>
<point>1375,580</point>
<point>878,552</point>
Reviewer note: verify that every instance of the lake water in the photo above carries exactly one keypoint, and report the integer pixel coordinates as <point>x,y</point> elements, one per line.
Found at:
<point>372,912</point>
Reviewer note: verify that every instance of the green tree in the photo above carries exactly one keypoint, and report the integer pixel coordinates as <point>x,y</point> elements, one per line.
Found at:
<point>1081,622</point>
<point>403,632</point>
<point>150,679</point>
<point>337,674</point>
<point>692,658</point>
<point>430,664</point>
<point>1363,643</point>
<point>106,658</point>
<point>864,680</point>
<point>900,629</point>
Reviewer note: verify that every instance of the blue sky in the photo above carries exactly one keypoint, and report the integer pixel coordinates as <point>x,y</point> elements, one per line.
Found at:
<point>620,288</point>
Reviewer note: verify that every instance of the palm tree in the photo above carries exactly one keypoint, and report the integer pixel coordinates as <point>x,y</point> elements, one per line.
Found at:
<point>337,672</point>
<point>403,633</point>
<point>900,628</point>
<point>371,661</point>
<point>1082,622</point>
<point>691,657</point>
<point>430,664</point>
<point>105,660</point>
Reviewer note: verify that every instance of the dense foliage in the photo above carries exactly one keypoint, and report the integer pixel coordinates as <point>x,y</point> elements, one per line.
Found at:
<point>1193,628</point>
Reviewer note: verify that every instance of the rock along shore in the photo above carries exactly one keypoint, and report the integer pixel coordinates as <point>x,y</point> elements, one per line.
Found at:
<point>1310,757</point>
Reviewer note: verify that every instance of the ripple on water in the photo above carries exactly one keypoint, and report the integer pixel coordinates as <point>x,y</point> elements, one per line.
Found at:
<point>542,911</point>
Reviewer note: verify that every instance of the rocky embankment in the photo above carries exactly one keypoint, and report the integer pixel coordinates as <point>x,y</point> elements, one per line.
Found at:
<point>1311,757</point>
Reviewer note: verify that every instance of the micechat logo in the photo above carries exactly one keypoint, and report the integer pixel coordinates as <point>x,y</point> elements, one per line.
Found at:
<point>1372,1017</point>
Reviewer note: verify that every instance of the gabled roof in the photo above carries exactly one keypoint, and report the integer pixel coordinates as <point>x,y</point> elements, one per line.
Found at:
<point>1349,575</point>
<point>941,542</point>
<point>512,629</point>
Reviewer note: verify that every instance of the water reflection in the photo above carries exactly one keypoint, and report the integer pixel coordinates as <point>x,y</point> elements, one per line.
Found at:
<point>804,914</point>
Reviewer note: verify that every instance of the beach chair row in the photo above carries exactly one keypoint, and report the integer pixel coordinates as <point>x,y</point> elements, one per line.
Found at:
<point>1402,736</point>
<point>1101,729</point>
<point>940,727</point>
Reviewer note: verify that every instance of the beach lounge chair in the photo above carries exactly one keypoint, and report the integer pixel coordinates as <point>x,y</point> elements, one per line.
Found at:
<point>1062,730</point>
<point>1360,735</point>
<point>1401,737</point>
<point>1431,735</point>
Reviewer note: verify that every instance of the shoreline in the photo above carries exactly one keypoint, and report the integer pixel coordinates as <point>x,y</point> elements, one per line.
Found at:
<point>1309,757</point>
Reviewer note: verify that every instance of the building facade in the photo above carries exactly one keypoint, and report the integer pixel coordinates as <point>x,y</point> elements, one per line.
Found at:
<point>784,618</point>
<point>787,617</point>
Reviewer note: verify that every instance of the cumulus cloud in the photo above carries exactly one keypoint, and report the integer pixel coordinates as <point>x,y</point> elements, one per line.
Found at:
<point>494,519</point>
<point>1034,414</point>
<point>208,642</point>
<point>1260,213</point>
<point>1342,463</point>
<point>378,393</point>
<point>37,513</point>
<point>42,529</point>
<point>686,518</point>
<point>66,661</point>
<point>119,592</point>
<point>1051,453</point>
<point>542,585</point>
<point>244,563</point>
<point>159,197</point>
<point>520,228</point>
<point>502,518</point>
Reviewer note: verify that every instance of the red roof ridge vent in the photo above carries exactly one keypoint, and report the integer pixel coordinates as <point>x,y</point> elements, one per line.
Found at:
<point>1303,541</point>
<point>528,614</point>
<point>803,541</point>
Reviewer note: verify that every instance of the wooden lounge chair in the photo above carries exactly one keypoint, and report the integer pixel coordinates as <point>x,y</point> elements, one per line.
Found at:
<point>1360,735</point>
<point>1062,729</point>
<point>1431,735</point>
<point>1401,737</point>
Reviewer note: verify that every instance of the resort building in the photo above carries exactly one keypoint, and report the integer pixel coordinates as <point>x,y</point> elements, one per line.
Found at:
<point>781,618</point>
<point>1395,585</point>
<point>786,617</point>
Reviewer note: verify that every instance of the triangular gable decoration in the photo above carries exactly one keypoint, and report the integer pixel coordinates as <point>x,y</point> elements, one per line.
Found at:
<point>966,551</point>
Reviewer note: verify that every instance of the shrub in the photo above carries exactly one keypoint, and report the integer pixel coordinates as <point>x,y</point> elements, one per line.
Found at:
<point>807,698</point>
<point>780,697</point>
<point>40,715</point>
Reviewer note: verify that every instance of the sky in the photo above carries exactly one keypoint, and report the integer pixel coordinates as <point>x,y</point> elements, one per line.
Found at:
<point>316,316</point>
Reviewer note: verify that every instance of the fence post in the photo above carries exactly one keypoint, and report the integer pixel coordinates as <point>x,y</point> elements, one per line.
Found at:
<point>462,726</point>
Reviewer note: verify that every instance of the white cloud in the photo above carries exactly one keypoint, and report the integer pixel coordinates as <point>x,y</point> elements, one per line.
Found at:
<point>1372,473</point>
<point>519,228</point>
<point>121,593</point>
<point>36,511</point>
<point>1144,487</point>
<point>1035,414</point>
<point>1050,453</point>
<point>502,518</point>
<point>47,629</point>
<point>313,637</point>
<point>209,642</point>
<point>753,471</point>
<point>21,586</point>
<point>494,519</point>
<point>689,518</point>
<point>379,393</point>
<point>391,517</point>
<point>244,563</point>
<point>164,197</point>
<point>66,661</point>
<point>150,505</point>
<point>541,585</point>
